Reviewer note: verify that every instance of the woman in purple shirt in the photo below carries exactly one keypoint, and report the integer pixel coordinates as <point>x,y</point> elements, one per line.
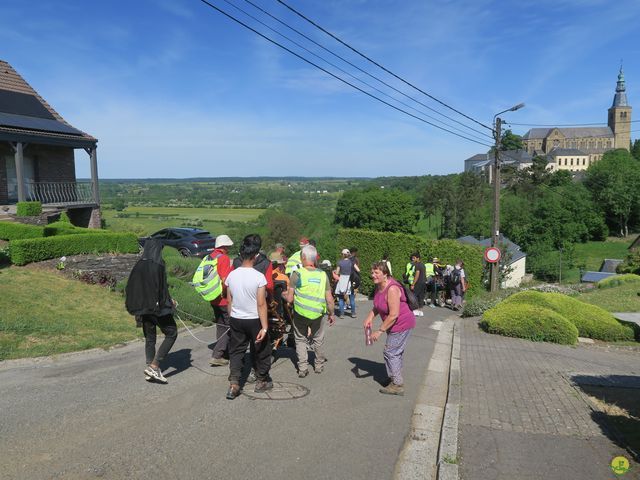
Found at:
<point>398,320</point>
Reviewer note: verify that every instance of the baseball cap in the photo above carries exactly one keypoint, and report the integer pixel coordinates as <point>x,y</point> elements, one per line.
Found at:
<point>345,251</point>
<point>223,241</point>
<point>304,241</point>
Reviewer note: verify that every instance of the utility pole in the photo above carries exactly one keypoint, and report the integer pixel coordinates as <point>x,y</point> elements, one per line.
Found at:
<point>495,234</point>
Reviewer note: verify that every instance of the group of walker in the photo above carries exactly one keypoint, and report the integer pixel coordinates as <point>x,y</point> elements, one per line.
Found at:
<point>244,293</point>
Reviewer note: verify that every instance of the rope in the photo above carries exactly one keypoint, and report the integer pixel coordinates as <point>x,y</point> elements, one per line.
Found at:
<point>191,333</point>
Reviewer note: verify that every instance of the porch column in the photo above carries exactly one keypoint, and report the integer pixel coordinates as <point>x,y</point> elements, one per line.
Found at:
<point>19,156</point>
<point>94,173</point>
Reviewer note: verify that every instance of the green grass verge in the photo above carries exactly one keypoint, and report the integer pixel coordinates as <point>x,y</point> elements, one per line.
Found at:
<point>590,320</point>
<point>530,322</point>
<point>624,298</point>
<point>64,316</point>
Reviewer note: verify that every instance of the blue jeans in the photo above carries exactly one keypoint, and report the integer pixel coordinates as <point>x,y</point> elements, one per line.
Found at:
<point>352,301</point>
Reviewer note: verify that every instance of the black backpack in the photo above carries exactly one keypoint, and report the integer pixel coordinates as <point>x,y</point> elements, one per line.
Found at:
<point>455,277</point>
<point>412,300</point>
<point>354,278</point>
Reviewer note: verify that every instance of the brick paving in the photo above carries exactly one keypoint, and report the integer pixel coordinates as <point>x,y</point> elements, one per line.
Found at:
<point>517,400</point>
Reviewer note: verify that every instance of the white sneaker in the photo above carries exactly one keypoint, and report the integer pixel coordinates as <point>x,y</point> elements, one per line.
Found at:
<point>418,313</point>
<point>155,374</point>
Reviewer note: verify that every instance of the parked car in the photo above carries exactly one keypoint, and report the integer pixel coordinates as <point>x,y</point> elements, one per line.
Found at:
<point>188,241</point>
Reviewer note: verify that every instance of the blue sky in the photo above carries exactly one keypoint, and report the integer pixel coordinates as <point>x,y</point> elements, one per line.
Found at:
<point>171,88</point>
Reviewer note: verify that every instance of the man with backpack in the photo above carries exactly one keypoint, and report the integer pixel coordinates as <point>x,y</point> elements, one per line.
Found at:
<point>458,283</point>
<point>209,282</point>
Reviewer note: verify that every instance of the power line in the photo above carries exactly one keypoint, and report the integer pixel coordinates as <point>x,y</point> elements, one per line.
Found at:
<point>258,7</point>
<point>228,2</point>
<point>337,77</point>
<point>565,124</point>
<point>381,66</point>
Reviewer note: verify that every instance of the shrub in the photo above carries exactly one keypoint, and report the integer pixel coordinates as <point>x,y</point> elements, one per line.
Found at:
<point>37,249</point>
<point>189,301</point>
<point>17,231</point>
<point>372,246</point>
<point>64,228</point>
<point>618,280</point>
<point>477,305</point>
<point>532,322</point>
<point>590,320</point>
<point>28,209</point>
<point>64,217</point>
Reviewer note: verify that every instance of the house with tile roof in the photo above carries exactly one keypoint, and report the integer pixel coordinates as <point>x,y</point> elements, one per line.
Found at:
<point>516,259</point>
<point>37,161</point>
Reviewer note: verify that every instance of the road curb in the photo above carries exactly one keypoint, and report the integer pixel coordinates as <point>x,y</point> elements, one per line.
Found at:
<point>418,459</point>
<point>448,459</point>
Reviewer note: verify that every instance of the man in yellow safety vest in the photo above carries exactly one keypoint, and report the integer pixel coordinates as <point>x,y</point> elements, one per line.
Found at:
<point>310,293</point>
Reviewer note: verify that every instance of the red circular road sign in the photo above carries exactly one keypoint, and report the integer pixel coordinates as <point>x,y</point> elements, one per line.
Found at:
<point>492,254</point>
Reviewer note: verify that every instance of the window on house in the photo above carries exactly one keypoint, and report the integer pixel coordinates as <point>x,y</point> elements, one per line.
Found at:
<point>572,161</point>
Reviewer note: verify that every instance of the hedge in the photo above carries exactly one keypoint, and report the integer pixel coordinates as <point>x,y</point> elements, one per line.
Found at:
<point>530,322</point>
<point>590,320</point>
<point>28,209</point>
<point>65,228</point>
<point>17,231</point>
<point>37,249</point>
<point>617,280</point>
<point>373,245</point>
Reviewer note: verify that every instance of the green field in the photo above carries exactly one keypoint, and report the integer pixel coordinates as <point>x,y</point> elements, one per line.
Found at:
<point>146,220</point>
<point>624,298</point>
<point>590,255</point>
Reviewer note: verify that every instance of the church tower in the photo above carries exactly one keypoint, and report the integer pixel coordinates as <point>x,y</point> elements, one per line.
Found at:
<point>620,115</point>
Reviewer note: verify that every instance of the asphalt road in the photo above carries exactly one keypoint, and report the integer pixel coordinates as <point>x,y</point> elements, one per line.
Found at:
<point>92,415</point>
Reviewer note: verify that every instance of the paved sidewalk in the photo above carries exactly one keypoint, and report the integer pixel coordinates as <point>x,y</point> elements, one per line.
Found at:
<point>522,417</point>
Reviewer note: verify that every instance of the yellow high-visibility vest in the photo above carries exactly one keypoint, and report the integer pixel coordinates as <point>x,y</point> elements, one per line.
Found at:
<point>292,262</point>
<point>206,280</point>
<point>309,298</point>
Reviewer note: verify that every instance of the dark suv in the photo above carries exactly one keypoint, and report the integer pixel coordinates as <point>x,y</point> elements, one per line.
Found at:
<point>188,241</point>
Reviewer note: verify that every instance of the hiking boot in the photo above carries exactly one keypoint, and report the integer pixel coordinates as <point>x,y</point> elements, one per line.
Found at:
<point>155,374</point>
<point>303,373</point>
<point>233,392</point>
<point>393,389</point>
<point>319,368</point>
<point>263,386</point>
<point>252,377</point>
<point>218,362</point>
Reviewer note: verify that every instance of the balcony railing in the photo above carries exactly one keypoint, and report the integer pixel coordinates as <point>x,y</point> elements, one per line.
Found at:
<point>60,193</point>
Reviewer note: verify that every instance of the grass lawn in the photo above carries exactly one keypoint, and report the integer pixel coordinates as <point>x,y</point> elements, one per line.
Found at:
<point>60,315</point>
<point>591,254</point>
<point>617,299</point>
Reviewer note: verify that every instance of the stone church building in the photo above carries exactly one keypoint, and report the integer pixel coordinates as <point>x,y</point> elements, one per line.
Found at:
<point>573,148</point>
<point>576,148</point>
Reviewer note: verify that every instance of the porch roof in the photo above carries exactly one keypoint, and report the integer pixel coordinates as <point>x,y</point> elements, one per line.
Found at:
<point>26,117</point>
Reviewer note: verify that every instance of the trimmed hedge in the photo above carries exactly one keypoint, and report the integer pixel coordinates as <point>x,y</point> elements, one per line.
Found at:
<point>480,303</point>
<point>618,280</point>
<point>590,320</point>
<point>17,231</point>
<point>372,246</point>
<point>65,228</point>
<point>37,249</point>
<point>531,322</point>
<point>28,209</point>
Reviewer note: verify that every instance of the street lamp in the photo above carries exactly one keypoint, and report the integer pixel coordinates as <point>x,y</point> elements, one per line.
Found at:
<point>495,235</point>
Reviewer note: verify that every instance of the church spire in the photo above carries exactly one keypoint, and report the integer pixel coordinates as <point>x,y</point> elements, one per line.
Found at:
<point>620,98</point>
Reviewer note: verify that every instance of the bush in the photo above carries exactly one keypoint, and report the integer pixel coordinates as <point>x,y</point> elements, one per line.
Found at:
<point>477,305</point>
<point>372,245</point>
<point>618,280</point>
<point>28,209</point>
<point>531,322</point>
<point>18,231</point>
<point>590,320</point>
<point>37,249</point>
<point>65,228</point>
<point>64,217</point>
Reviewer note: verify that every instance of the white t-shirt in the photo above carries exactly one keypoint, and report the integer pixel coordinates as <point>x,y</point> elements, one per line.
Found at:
<point>243,283</point>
